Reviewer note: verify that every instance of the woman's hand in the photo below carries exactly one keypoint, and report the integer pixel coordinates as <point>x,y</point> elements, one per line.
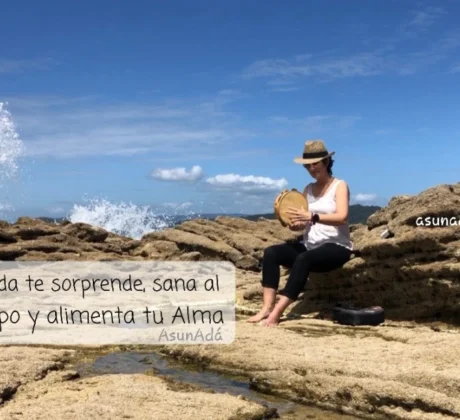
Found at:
<point>297,226</point>
<point>299,215</point>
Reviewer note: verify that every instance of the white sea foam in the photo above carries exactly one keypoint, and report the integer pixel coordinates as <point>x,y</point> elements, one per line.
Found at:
<point>11,150</point>
<point>122,218</point>
<point>11,146</point>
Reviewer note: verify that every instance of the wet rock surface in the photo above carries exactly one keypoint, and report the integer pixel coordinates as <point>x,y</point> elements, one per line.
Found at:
<point>63,395</point>
<point>404,372</point>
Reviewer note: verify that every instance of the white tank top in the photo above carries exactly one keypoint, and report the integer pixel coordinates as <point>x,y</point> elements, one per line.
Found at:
<point>317,234</point>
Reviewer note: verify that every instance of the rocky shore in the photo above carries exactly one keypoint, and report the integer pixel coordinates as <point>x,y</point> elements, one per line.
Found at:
<point>406,368</point>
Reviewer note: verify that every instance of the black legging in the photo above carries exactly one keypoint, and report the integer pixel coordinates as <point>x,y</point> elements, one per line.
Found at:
<point>326,257</point>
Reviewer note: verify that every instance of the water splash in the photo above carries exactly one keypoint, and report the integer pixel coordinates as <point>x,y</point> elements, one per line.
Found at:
<point>11,150</point>
<point>122,218</point>
<point>11,146</point>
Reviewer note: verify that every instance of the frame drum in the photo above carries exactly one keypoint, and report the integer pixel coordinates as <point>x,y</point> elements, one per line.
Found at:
<point>286,199</point>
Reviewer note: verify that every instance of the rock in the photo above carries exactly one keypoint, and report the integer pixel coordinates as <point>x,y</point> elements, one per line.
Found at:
<point>134,396</point>
<point>4,224</point>
<point>108,248</point>
<point>21,365</point>
<point>436,202</point>
<point>43,245</point>
<point>245,242</point>
<point>246,262</point>
<point>33,232</point>
<point>86,232</point>
<point>69,375</point>
<point>158,248</point>
<point>413,274</point>
<point>189,242</point>
<point>53,256</point>
<point>237,240</point>
<point>7,238</point>
<point>362,369</point>
<point>191,256</point>
<point>11,252</point>
<point>124,243</point>
<point>27,221</point>
<point>62,238</point>
<point>382,216</point>
<point>398,369</point>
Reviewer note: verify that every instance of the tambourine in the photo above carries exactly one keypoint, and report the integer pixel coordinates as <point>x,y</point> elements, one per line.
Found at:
<point>286,199</point>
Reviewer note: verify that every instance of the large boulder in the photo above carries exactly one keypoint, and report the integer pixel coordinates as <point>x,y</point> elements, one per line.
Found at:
<point>414,273</point>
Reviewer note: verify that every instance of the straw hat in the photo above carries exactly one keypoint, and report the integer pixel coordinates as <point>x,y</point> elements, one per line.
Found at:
<point>314,151</point>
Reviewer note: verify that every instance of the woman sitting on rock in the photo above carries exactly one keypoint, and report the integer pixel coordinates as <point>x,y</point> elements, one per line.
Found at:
<point>326,243</point>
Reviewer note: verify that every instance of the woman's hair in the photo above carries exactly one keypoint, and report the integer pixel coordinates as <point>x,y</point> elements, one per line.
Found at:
<point>329,162</point>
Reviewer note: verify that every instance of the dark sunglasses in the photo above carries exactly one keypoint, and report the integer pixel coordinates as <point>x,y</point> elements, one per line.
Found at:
<point>308,165</point>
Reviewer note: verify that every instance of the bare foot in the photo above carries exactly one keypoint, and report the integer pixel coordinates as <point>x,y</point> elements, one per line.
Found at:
<point>262,314</point>
<point>272,321</point>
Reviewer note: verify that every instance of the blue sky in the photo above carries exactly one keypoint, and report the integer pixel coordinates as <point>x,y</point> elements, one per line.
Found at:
<point>205,104</point>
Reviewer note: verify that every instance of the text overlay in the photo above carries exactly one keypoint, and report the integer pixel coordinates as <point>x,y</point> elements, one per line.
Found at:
<point>117,302</point>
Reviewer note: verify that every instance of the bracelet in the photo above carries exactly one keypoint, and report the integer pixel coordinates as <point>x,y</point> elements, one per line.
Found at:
<point>315,218</point>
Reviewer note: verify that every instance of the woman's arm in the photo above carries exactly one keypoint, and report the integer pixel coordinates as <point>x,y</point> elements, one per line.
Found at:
<point>342,198</point>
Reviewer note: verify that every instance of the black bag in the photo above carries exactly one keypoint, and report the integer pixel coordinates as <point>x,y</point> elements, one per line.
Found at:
<point>350,315</point>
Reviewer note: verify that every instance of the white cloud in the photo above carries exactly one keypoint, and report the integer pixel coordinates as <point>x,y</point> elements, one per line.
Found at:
<point>80,127</point>
<point>313,124</point>
<point>421,20</point>
<point>229,92</point>
<point>286,89</point>
<point>19,66</point>
<point>247,184</point>
<point>178,174</point>
<point>360,197</point>
<point>76,127</point>
<point>382,131</point>
<point>361,64</point>
<point>455,68</point>
<point>211,154</point>
<point>328,66</point>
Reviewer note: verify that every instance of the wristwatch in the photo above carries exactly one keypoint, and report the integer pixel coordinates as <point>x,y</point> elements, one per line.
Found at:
<point>315,218</point>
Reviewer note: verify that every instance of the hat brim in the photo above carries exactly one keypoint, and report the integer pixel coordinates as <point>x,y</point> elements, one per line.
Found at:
<point>314,160</point>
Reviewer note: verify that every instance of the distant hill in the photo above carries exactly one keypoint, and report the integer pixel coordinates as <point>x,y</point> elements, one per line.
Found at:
<point>357,214</point>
